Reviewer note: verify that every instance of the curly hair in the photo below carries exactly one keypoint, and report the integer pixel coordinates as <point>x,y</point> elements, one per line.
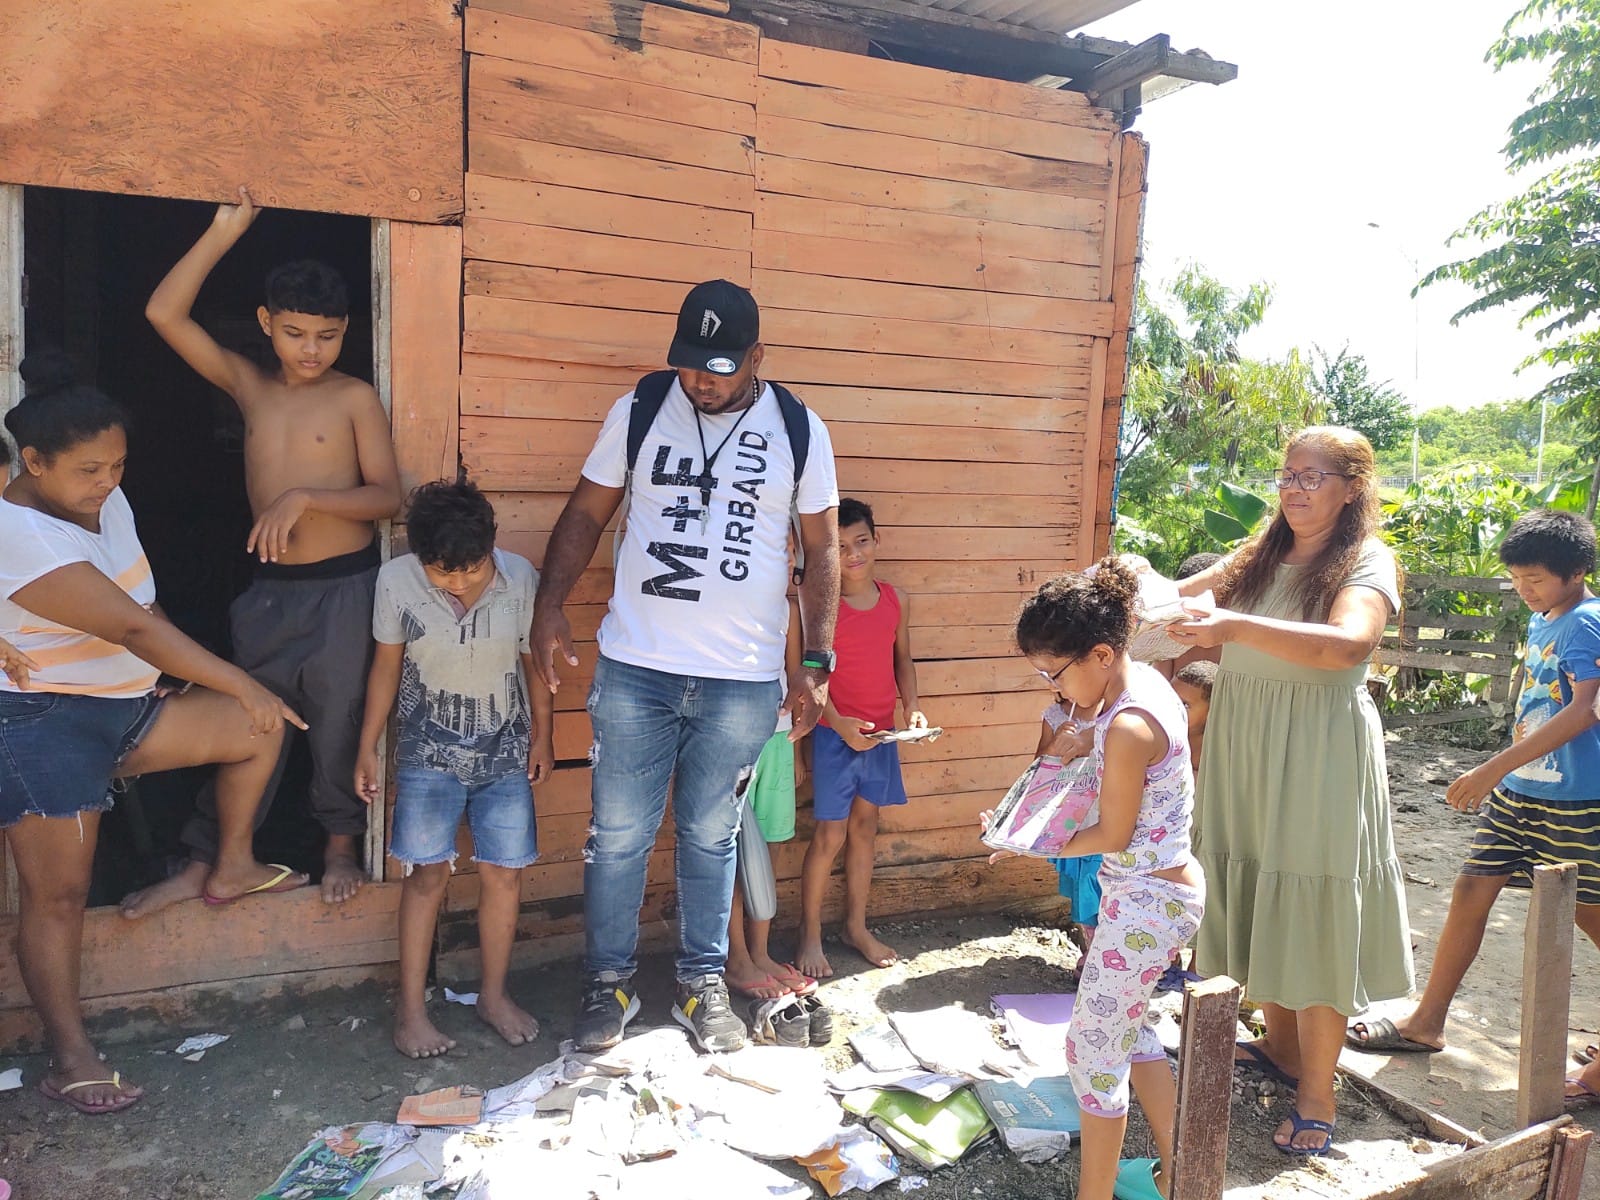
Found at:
<point>450,526</point>
<point>1072,614</point>
<point>1251,570</point>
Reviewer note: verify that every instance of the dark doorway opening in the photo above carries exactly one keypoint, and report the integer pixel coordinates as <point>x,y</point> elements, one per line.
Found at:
<point>91,262</point>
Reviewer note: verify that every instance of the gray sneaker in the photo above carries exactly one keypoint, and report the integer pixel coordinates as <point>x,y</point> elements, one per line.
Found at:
<point>609,1003</point>
<point>704,1010</point>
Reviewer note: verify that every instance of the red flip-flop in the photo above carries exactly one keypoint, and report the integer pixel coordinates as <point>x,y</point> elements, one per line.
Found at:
<point>283,881</point>
<point>65,1096</point>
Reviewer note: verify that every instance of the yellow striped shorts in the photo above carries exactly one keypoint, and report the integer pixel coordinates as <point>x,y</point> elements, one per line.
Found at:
<point>1517,833</point>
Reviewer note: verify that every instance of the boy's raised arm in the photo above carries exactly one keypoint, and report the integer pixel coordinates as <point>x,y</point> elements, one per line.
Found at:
<point>170,304</point>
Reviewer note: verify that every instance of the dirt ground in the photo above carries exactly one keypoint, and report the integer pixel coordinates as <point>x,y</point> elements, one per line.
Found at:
<point>224,1127</point>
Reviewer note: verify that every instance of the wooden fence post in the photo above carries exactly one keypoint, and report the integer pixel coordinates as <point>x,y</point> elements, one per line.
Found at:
<point>1205,1088</point>
<point>1546,993</point>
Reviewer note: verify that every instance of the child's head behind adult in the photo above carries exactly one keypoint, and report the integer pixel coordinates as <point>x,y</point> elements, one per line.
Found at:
<point>306,313</point>
<point>72,439</point>
<point>450,527</point>
<point>1548,555</point>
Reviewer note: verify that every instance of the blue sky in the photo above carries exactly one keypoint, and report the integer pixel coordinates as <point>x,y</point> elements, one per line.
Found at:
<point>1343,114</point>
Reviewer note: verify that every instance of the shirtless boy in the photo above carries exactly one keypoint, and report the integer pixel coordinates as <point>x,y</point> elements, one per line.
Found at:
<point>319,469</point>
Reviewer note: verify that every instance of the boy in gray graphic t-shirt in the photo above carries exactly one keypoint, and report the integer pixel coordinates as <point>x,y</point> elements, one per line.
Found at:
<point>451,625</point>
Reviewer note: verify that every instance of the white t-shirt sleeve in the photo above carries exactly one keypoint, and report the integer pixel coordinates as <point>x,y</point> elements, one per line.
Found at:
<point>819,485</point>
<point>385,611</point>
<point>32,550</point>
<point>607,463</point>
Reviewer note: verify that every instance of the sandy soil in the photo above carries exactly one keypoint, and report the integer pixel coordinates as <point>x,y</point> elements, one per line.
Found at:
<point>226,1125</point>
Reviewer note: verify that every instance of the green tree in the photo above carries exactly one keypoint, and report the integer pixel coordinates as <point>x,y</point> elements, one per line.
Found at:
<point>1543,254</point>
<point>1345,385</point>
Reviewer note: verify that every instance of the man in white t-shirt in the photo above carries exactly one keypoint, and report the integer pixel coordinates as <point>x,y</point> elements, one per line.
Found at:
<point>691,647</point>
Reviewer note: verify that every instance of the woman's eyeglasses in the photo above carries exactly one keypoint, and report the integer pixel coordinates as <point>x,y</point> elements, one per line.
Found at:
<point>1308,480</point>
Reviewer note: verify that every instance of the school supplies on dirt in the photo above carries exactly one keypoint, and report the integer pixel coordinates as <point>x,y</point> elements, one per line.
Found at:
<point>1045,808</point>
<point>953,1041</point>
<point>936,1133</point>
<point>1036,1121</point>
<point>458,1105</point>
<point>335,1164</point>
<point>857,1158</point>
<point>881,1049</point>
<point>1037,1025</point>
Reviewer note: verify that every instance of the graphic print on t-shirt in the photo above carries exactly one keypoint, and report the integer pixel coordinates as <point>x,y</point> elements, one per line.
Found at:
<point>691,511</point>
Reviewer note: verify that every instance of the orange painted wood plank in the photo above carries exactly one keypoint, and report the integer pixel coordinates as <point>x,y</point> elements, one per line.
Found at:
<point>651,330</point>
<point>530,42</point>
<point>546,285</point>
<point>846,259</point>
<point>425,349</point>
<point>928,157</point>
<point>804,293</point>
<point>864,184</point>
<point>557,207</point>
<point>489,366</point>
<point>510,157</point>
<point>617,133</point>
<point>907,371</point>
<point>927,233</point>
<point>511,242</point>
<point>538,398</point>
<point>173,98</point>
<point>880,77</point>
<point>632,21</point>
<point>925,339</point>
<point>849,107</point>
<point>611,92</point>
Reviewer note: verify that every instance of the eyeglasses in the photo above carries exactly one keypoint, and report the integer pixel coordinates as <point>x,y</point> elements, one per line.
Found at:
<point>1051,678</point>
<point>1308,480</point>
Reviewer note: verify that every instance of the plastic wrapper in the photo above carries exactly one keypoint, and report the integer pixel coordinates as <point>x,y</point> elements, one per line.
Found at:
<point>1045,808</point>
<point>858,1158</point>
<point>1160,608</point>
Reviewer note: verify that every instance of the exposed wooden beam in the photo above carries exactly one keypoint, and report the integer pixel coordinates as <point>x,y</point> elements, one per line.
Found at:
<point>1126,70</point>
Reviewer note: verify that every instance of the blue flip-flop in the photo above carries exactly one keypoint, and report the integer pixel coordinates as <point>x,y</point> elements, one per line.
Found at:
<point>1136,1179</point>
<point>1299,1125</point>
<point>1260,1062</point>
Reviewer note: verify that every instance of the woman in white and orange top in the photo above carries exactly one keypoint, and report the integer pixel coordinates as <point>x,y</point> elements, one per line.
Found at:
<point>79,705</point>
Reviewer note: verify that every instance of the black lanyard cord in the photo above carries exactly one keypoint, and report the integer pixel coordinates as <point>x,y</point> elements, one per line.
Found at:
<point>710,459</point>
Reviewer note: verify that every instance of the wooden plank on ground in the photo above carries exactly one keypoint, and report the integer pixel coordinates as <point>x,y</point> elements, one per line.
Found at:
<point>1516,1167</point>
<point>1566,1168</point>
<point>928,158</point>
<point>849,107</point>
<point>881,77</point>
<point>635,22</point>
<point>845,259</point>
<point>1205,1089</point>
<point>1546,993</point>
<point>425,349</point>
<point>509,157</point>
<point>162,98</point>
<point>562,249</point>
<point>520,40</point>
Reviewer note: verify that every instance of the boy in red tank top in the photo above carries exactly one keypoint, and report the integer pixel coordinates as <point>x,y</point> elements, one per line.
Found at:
<point>854,776</point>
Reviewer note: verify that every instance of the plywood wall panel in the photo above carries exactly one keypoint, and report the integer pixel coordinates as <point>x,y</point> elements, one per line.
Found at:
<point>348,108</point>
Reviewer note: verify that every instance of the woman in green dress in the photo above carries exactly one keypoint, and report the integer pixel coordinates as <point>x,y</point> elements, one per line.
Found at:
<point>1307,899</point>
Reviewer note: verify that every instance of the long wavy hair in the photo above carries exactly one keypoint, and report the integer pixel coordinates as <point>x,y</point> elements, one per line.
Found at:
<point>1252,569</point>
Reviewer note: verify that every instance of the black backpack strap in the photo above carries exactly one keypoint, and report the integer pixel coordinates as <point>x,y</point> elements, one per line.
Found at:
<point>649,394</point>
<point>797,424</point>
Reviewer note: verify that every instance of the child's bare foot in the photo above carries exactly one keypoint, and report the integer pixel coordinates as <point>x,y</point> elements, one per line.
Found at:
<point>869,947</point>
<point>506,1018</point>
<point>790,979</point>
<point>810,960</point>
<point>187,884</point>
<point>417,1037</point>
<point>342,875</point>
<point>88,1085</point>
<point>750,980</point>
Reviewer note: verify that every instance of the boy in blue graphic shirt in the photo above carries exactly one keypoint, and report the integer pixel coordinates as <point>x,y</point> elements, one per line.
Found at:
<point>1543,790</point>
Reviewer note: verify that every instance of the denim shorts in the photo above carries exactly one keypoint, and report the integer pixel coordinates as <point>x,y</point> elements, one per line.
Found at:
<point>840,774</point>
<point>58,752</point>
<point>427,812</point>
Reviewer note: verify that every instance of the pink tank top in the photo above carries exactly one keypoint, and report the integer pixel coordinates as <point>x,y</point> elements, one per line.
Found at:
<point>1161,830</point>
<point>862,684</point>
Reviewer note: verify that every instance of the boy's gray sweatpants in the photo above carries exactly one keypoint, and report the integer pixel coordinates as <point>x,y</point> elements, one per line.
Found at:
<point>305,631</point>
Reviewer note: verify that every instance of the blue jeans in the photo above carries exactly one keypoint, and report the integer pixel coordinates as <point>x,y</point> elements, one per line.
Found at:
<point>705,735</point>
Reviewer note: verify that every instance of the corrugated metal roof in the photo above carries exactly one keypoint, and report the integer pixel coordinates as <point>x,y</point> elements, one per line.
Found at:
<point>1052,16</point>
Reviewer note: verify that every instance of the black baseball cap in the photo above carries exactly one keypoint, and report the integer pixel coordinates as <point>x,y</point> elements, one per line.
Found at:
<point>717,325</point>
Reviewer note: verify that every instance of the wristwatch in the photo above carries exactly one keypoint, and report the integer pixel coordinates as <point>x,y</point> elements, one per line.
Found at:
<point>819,660</point>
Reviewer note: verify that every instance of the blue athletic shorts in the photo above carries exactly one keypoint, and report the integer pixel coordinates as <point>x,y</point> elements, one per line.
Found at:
<point>1517,833</point>
<point>840,774</point>
<point>58,752</point>
<point>428,806</point>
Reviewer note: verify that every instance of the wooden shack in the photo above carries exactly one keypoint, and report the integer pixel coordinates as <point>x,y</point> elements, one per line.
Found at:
<point>944,246</point>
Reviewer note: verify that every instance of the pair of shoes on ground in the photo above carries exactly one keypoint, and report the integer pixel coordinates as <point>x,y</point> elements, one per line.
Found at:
<point>702,1007</point>
<point>792,1020</point>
